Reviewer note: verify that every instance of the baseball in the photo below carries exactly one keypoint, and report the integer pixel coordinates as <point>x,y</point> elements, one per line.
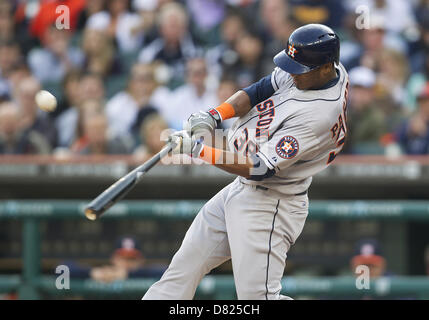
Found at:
<point>46,101</point>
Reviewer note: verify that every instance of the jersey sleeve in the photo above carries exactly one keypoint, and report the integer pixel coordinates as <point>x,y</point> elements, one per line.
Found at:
<point>287,146</point>
<point>279,78</point>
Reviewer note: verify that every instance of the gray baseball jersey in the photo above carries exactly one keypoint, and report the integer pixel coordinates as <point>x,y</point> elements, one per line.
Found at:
<point>296,133</point>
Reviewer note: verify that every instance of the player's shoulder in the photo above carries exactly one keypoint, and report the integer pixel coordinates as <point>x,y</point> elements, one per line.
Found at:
<point>281,79</point>
<point>316,108</point>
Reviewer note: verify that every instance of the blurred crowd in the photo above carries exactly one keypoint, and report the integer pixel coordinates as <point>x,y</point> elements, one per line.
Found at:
<point>123,71</point>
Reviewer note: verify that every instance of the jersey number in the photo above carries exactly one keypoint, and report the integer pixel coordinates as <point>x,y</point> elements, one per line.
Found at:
<point>244,144</point>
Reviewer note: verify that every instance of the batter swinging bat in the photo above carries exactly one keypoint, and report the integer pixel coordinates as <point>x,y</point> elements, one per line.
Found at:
<point>121,187</point>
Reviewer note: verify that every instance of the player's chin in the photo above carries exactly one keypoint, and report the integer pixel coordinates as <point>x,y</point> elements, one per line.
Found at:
<point>300,86</point>
<point>299,83</point>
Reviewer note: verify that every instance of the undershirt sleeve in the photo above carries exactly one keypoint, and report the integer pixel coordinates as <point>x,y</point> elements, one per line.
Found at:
<point>260,91</point>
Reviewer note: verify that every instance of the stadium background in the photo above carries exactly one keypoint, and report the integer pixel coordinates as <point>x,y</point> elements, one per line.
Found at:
<point>121,77</point>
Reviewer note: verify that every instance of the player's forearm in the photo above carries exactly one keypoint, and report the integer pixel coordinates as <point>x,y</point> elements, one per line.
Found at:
<point>228,161</point>
<point>240,168</point>
<point>240,102</point>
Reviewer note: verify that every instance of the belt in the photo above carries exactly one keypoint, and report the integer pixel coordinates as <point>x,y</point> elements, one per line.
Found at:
<point>265,189</point>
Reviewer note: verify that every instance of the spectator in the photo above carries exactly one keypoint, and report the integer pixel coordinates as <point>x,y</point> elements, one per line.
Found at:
<point>147,9</point>
<point>10,55</point>
<point>351,44</point>
<point>96,139</point>
<point>71,92</point>
<point>366,123</point>
<point>367,44</point>
<point>48,15</point>
<point>206,17</point>
<point>420,49</point>
<point>390,11</point>
<point>150,136</point>
<point>392,76</point>
<point>142,92</point>
<point>91,7</point>
<point>329,12</point>
<point>119,24</point>
<point>192,97</point>
<point>271,13</point>
<point>56,58</point>
<point>11,31</point>
<point>223,54</point>
<point>16,74</point>
<point>16,140</point>
<point>368,253</point>
<point>227,87</point>
<point>87,109</point>
<point>377,38</point>
<point>416,82</point>
<point>7,31</point>
<point>100,55</point>
<point>277,27</point>
<point>126,262</point>
<point>413,135</point>
<point>233,27</point>
<point>248,68</point>
<point>390,93</point>
<point>175,44</point>
<point>90,87</point>
<point>32,118</point>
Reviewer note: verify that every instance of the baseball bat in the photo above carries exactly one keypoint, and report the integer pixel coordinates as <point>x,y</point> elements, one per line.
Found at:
<point>121,187</point>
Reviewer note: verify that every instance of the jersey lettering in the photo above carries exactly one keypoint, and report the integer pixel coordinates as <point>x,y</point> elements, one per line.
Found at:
<point>266,118</point>
<point>339,129</point>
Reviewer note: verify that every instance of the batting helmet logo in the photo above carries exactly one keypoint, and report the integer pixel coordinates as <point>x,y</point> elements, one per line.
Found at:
<point>287,147</point>
<point>292,51</point>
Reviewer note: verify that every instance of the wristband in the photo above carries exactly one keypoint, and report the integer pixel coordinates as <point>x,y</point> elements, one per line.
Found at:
<point>225,111</point>
<point>210,155</point>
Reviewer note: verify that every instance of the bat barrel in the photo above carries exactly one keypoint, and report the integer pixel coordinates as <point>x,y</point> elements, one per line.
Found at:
<point>110,196</point>
<point>121,187</point>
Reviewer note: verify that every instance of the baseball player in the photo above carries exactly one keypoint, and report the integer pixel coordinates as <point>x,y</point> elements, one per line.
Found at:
<point>291,125</point>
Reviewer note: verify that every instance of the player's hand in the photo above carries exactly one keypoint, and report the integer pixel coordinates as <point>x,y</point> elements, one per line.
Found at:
<point>185,144</point>
<point>202,121</point>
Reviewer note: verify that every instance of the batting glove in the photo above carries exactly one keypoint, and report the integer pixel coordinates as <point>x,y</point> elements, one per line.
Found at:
<point>185,144</point>
<point>203,121</point>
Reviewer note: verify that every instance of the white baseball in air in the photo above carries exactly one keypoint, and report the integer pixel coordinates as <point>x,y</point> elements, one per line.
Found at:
<point>46,101</point>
